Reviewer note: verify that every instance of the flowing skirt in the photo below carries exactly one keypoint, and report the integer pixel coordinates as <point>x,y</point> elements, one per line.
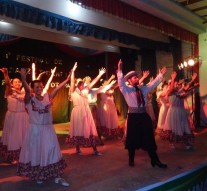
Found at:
<point>15,127</point>
<point>40,157</point>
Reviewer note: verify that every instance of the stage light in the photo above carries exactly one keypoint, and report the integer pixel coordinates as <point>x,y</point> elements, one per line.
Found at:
<point>191,62</point>
<point>185,64</point>
<point>181,65</point>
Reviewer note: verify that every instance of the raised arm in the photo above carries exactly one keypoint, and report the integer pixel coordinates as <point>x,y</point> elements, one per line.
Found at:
<point>120,63</point>
<point>25,85</point>
<point>163,70</point>
<point>40,75</point>
<point>72,79</point>
<point>6,76</point>
<point>145,74</point>
<point>33,71</point>
<point>188,85</point>
<point>157,80</point>
<point>171,88</point>
<point>94,81</point>
<point>186,93</point>
<point>49,80</point>
<point>120,78</point>
<point>7,81</point>
<point>106,87</point>
<point>109,80</point>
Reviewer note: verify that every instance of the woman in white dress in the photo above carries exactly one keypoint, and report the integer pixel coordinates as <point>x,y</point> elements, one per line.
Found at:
<point>163,100</point>
<point>107,115</point>
<point>92,99</point>
<point>16,120</point>
<point>82,131</point>
<point>40,156</point>
<point>177,127</point>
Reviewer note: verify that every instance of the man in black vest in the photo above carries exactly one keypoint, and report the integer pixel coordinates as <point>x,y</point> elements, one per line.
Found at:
<point>139,124</point>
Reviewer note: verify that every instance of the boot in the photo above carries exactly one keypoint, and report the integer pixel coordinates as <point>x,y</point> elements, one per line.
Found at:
<point>155,160</point>
<point>131,157</point>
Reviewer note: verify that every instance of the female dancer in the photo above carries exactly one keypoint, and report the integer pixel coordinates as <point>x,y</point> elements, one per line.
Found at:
<point>82,126</point>
<point>107,113</point>
<point>40,157</point>
<point>163,100</point>
<point>16,120</point>
<point>92,99</point>
<point>177,127</point>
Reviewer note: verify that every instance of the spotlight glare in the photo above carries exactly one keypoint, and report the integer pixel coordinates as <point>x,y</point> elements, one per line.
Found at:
<point>191,62</point>
<point>185,64</point>
<point>181,65</point>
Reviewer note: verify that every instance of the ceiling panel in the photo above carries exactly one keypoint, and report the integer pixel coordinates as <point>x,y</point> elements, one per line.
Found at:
<point>198,7</point>
<point>188,14</point>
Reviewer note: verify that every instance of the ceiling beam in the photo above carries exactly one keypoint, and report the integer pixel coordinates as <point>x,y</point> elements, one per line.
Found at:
<point>189,2</point>
<point>199,9</point>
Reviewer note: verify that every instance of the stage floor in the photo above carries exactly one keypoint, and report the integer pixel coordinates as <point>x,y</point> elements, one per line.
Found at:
<point>110,172</point>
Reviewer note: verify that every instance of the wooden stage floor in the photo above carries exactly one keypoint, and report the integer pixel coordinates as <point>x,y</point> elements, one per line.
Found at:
<point>110,172</point>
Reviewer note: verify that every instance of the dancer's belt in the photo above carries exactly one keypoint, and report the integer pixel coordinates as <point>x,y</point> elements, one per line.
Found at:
<point>136,110</point>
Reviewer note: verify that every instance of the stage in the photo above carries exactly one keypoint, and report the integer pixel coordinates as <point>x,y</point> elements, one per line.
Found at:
<point>110,172</point>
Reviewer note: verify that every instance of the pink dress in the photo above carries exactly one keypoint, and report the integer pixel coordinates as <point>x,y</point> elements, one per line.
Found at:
<point>82,130</point>
<point>107,116</point>
<point>40,156</point>
<point>16,124</point>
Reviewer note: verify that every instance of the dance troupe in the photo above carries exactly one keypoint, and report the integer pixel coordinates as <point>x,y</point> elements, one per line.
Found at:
<point>29,139</point>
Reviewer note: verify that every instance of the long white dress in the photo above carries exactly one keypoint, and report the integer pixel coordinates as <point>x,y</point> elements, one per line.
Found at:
<point>107,116</point>
<point>40,156</point>
<point>177,127</point>
<point>82,131</point>
<point>162,112</point>
<point>15,126</point>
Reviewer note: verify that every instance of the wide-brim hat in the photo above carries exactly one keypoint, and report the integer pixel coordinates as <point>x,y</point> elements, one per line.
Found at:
<point>130,74</point>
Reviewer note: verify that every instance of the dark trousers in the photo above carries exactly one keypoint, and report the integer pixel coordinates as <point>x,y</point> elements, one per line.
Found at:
<point>140,135</point>
<point>152,154</point>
